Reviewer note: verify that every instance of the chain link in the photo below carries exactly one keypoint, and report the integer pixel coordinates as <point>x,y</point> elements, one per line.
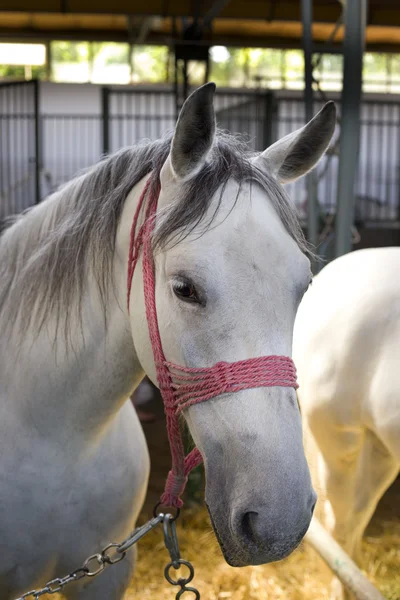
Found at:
<point>171,544</point>
<point>113,553</point>
<point>55,585</point>
<point>96,563</point>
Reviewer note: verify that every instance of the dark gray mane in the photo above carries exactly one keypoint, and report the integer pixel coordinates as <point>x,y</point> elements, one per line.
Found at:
<point>45,257</point>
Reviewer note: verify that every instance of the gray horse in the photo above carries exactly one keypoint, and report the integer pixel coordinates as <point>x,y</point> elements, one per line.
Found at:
<point>230,272</point>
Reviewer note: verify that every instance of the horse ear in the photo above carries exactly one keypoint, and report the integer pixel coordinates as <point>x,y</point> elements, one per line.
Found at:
<point>297,153</point>
<point>194,133</point>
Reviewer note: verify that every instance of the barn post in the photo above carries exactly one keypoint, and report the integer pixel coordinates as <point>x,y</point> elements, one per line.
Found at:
<point>105,118</point>
<point>269,119</point>
<point>37,132</point>
<point>312,202</point>
<point>353,48</point>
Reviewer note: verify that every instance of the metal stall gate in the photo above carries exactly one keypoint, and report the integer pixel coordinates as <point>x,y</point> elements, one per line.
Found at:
<point>19,147</point>
<point>58,144</point>
<point>131,115</point>
<point>251,114</point>
<point>378,177</point>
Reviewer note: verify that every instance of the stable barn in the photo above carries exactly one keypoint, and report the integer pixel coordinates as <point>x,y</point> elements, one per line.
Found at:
<point>50,131</point>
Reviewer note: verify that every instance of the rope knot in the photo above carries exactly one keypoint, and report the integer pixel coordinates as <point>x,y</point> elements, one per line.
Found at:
<point>174,488</point>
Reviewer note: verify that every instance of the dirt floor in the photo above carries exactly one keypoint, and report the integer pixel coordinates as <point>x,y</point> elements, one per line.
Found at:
<point>300,577</point>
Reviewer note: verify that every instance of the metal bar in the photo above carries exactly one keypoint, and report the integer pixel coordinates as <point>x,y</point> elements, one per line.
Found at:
<point>49,61</point>
<point>214,11</point>
<point>353,47</point>
<point>156,38</point>
<point>270,114</point>
<point>38,160</point>
<point>312,205</point>
<point>105,113</point>
<point>144,30</point>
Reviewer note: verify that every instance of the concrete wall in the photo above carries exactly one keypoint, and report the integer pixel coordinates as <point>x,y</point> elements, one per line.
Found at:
<point>70,98</point>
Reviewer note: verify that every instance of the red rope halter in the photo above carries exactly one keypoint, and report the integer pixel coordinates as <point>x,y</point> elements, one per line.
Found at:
<point>182,386</point>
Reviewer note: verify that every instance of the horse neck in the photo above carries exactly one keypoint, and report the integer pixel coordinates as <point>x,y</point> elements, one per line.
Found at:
<point>75,381</point>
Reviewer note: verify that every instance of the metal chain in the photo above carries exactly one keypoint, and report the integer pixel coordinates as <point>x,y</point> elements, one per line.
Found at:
<point>171,544</point>
<point>96,563</point>
<point>113,553</point>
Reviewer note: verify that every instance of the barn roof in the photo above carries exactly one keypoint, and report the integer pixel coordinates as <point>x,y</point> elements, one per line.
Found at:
<point>258,23</point>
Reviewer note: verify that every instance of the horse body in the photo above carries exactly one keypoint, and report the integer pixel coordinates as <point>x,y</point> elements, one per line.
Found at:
<point>74,463</point>
<point>69,482</point>
<point>347,350</point>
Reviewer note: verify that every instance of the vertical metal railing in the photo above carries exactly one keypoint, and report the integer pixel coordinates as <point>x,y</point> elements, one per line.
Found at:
<point>51,148</point>
<point>105,121</point>
<point>37,139</point>
<point>20,146</point>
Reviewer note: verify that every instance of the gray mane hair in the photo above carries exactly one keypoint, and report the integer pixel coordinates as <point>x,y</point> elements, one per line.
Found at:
<point>230,158</point>
<point>47,255</point>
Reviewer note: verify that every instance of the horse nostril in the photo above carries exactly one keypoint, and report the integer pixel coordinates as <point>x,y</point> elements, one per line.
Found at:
<point>248,526</point>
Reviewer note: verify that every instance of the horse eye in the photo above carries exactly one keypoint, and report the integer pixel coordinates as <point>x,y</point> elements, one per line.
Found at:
<point>185,291</point>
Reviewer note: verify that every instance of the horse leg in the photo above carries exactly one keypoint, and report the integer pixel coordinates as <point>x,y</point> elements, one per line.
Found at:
<point>335,453</point>
<point>110,585</point>
<point>354,470</point>
<point>377,471</point>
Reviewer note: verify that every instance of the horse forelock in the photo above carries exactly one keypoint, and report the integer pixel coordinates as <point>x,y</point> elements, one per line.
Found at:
<point>45,256</point>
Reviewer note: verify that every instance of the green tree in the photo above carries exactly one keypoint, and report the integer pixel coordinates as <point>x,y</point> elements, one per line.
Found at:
<point>150,63</point>
<point>374,69</point>
<point>19,72</point>
<point>246,66</point>
<point>71,52</point>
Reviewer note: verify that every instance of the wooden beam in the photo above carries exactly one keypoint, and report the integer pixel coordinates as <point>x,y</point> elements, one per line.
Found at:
<point>288,10</point>
<point>382,12</point>
<point>236,41</point>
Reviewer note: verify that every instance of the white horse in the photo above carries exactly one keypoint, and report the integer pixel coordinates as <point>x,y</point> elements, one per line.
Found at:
<point>347,351</point>
<point>230,272</point>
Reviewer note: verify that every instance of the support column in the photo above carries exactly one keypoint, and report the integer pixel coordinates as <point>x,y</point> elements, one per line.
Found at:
<point>49,62</point>
<point>105,119</point>
<point>38,145</point>
<point>312,202</point>
<point>353,48</point>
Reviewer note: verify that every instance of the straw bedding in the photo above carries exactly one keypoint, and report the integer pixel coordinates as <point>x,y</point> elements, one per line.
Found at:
<point>302,576</point>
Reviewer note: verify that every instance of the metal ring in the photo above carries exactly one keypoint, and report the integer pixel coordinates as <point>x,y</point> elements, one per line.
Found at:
<point>188,589</point>
<point>182,580</point>
<point>156,513</point>
<point>53,590</point>
<point>171,539</point>
<point>78,574</point>
<point>100,562</point>
<point>118,555</point>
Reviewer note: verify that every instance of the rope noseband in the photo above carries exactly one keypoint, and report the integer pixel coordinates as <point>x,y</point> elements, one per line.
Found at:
<point>182,387</point>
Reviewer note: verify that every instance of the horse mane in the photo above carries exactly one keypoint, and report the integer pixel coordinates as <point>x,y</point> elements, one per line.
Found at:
<point>47,254</point>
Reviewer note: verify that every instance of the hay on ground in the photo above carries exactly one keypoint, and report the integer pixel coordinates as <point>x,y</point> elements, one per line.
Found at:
<point>302,576</point>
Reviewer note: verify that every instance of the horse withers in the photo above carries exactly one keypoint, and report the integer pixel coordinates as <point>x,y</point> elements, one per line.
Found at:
<point>230,271</point>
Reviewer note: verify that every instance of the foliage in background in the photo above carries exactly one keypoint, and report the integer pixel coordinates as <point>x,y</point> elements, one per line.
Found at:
<point>109,62</point>
<point>75,52</point>
<point>20,72</point>
<point>151,64</point>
